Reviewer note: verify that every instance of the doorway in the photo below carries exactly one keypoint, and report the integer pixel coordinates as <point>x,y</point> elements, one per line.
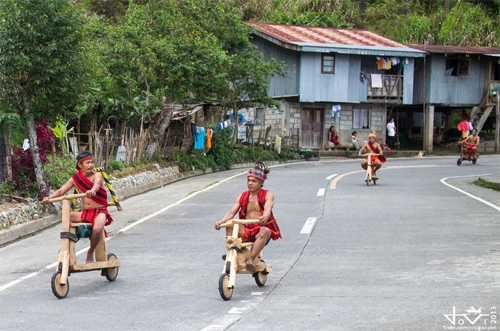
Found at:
<point>312,122</point>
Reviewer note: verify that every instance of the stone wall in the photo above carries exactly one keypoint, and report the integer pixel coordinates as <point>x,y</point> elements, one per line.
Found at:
<point>123,187</point>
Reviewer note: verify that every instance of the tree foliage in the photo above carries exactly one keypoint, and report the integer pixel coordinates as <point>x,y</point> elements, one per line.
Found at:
<point>163,52</point>
<point>43,66</point>
<point>43,61</point>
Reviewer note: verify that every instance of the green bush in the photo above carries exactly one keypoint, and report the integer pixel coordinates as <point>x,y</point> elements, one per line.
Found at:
<point>58,171</point>
<point>115,165</point>
<point>8,187</point>
<point>222,148</point>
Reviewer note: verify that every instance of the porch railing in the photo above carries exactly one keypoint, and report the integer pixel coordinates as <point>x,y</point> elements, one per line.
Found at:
<point>385,88</point>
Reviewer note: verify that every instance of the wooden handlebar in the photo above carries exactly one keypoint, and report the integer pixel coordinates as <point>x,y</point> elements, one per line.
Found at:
<point>237,221</point>
<point>369,154</point>
<point>68,197</point>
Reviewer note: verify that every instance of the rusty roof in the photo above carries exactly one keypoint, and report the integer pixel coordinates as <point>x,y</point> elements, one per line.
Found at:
<point>445,49</point>
<point>322,35</point>
<point>323,39</point>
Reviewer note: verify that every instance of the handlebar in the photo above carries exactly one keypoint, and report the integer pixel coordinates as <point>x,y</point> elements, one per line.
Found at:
<point>68,197</point>
<point>237,221</point>
<point>370,154</point>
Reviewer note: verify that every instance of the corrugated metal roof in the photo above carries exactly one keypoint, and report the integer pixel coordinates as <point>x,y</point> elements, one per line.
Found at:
<point>444,49</point>
<point>321,35</point>
<point>321,39</point>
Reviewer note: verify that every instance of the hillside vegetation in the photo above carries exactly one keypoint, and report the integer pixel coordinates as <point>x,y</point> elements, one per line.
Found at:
<point>441,22</point>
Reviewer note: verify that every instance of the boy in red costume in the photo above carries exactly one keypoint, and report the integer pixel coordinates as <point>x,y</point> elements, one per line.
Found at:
<point>94,205</point>
<point>373,147</point>
<point>255,203</point>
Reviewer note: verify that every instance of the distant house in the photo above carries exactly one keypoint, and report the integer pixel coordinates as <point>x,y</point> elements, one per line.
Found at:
<point>348,78</point>
<point>455,78</point>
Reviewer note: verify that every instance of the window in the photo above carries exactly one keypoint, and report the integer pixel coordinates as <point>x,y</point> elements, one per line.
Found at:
<point>327,64</point>
<point>457,66</point>
<point>361,119</point>
<point>259,116</point>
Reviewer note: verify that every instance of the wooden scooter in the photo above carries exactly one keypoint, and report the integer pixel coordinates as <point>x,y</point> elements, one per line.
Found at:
<point>369,169</point>
<point>66,261</point>
<point>237,254</point>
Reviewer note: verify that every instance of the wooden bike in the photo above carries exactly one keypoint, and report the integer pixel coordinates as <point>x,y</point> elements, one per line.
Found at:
<point>66,261</point>
<point>369,169</point>
<point>237,254</point>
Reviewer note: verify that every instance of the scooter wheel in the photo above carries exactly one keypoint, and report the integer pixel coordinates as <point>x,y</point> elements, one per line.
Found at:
<point>111,273</point>
<point>474,161</point>
<point>225,292</point>
<point>59,290</point>
<point>260,278</point>
<point>459,161</point>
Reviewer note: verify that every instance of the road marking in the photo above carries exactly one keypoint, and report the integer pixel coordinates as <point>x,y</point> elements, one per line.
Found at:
<point>212,328</point>
<point>331,176</point>
<point>236,310</point>
<point>443,180</point>
<point>308,226</point>
<point>321,192</point>
<point>333,184</point>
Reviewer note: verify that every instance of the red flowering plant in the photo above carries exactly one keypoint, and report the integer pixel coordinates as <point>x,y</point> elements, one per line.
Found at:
<point>23,170</point>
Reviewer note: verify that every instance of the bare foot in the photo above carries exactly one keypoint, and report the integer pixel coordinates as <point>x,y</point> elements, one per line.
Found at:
<point>250,266</point>
<point>90,258</point>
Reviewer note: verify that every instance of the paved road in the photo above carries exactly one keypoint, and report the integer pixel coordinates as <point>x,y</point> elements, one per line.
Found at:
<point>402,255</point>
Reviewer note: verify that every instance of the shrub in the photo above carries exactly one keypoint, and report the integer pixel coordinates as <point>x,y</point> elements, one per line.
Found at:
<point>222,149</point>
<point>23,174</point>
<point>59,171</point>
<point>115,165</point>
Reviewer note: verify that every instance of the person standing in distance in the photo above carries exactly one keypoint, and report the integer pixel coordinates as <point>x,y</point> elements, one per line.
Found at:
<point>391,133</point>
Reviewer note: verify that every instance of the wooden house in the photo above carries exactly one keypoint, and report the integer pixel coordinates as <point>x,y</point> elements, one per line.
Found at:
<point>456,79</point>
<point>348,78</point>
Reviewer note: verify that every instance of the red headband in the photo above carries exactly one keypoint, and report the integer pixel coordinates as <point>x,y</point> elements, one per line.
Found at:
<point>257,173</point>
<point>85,159</point>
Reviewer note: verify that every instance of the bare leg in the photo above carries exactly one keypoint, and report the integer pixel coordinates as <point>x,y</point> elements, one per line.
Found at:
<point>97,228</point>
<point>376,166</point>
<point>259,244</point>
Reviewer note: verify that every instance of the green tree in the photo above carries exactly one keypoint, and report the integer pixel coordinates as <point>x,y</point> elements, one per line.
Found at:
<point>43,63</point>
<point>164,52</point>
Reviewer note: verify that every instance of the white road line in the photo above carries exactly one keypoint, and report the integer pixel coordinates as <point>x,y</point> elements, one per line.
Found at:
<point>443,180</point>
<point>212,327</point>
<point>308,226</point>
<point>321,192</point>
<point>236,310</point>
<point>331,176</point>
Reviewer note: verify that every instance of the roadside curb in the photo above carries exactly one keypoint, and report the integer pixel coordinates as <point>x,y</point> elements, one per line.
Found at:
<point>27,229</point>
